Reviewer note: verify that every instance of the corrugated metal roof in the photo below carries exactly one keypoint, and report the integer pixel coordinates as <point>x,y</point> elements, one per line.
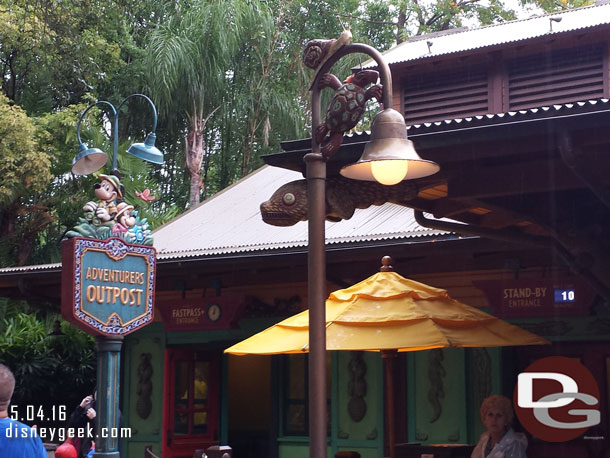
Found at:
<point>230,222</point>
<point>34,268</point>
<point>507,32</point>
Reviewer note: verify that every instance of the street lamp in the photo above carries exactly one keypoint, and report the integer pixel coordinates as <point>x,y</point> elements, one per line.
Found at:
<point>89,160</point>
<point>389,144</point>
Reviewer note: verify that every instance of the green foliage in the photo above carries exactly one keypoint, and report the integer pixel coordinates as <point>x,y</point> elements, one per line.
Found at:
<point>54,52</point>
<point>192,56</point>
<point>49,370</point>
<point>23,166</point>
<point>551,6</point>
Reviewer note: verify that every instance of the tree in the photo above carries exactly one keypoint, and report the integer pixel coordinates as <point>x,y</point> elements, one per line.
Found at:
<point>189,56</point>
<point>51,53</point>
<point>24,173</point>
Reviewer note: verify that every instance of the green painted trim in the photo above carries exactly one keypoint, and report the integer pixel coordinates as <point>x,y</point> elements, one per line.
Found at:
<point>224,399</point>
<point>470,412</point>
<point>410,378</point>
<point>293,439</point>
<point>588,328</point>
<point>462,399</point>
<point>380,420</point>
<point>152,331</point>
<point>246,329</point>
<point>357,444</point>
<point>125,388</point>
<point>334,402</point>
<point>126,385</point>
<point>146,438</point>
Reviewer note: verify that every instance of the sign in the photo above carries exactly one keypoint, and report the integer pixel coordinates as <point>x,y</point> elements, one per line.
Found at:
<point>557,399</point>
<point>201,313</point>
<point>537,298</point>
<point>108,286</point>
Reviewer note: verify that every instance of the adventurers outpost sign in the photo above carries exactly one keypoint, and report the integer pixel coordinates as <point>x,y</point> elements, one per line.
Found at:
<point>108,283</point>
<point>108,290</point>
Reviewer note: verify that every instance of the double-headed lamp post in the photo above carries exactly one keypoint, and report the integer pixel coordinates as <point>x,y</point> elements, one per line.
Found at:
<point>388,158</point>
<point>87,161</point>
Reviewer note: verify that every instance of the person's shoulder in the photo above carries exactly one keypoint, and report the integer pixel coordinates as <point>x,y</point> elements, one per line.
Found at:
<point>484,436</point>
<point>17,434</point>
<point>9,423</point>
<point>518,437</point>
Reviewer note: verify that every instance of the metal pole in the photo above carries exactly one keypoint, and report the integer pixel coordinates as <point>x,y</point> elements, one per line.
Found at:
<point>316,260</point>
<point>107,413</point>
<point>115,140</point>
<point>316,207</point>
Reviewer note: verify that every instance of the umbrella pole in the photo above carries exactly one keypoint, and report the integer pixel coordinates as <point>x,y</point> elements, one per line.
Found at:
<point>389,356</point>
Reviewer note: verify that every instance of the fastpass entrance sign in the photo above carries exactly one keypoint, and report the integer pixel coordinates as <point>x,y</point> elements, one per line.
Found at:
<point>107,285</point>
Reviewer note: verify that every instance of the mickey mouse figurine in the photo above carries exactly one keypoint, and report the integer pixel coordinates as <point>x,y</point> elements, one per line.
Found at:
<point>108,190</point>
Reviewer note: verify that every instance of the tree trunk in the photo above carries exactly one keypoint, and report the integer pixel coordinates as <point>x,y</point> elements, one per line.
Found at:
<point>195,152</point>
<point>400,25</point>
<point>195,146</point>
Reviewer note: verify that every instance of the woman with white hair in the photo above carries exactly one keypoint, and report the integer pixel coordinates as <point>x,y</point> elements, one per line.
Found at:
<point>499,441</point>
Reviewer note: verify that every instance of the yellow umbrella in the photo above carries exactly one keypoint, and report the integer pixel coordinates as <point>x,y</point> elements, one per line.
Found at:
<point>387,312</point>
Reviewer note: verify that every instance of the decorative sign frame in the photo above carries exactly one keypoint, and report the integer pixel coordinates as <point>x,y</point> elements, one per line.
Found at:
<point>108,286</point>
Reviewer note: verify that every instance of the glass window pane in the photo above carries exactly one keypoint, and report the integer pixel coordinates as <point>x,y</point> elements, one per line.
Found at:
<point>296,419</point>
<point>297,376</point>
<point>200,395</point>
<point>182,383</point>
<point>200,388</point>
<point>181,397</point>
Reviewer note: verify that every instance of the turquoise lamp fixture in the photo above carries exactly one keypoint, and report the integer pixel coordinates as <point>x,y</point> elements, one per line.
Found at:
<point>89,160</point>
<point>147,151</point>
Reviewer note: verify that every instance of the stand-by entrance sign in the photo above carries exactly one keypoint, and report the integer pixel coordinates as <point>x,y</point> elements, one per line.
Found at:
<point>107,285</point>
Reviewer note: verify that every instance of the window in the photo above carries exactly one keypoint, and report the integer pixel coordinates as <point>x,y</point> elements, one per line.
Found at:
<point>295,412</point>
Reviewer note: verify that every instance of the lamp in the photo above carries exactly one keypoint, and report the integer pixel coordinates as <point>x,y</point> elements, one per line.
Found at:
<point>389,144</point>
<point>389,157</point>
<point>89,160</point>
<point>147,151</point>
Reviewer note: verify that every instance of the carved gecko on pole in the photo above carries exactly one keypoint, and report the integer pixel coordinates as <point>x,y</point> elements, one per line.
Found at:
<point>288,204</point>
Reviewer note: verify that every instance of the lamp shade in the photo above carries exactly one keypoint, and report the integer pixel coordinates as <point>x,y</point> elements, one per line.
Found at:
<point>147,151</point>
<point>88,160</point>
<point>389,157</point>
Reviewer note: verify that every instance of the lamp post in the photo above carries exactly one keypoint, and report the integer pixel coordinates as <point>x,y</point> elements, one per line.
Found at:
<point>388,143</point>
<point>89,160</point>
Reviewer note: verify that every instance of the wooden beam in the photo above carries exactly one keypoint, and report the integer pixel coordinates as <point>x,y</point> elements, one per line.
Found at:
<point>513,179</point>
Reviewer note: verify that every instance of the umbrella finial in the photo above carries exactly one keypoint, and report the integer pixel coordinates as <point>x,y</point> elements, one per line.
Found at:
<point>386,264</point>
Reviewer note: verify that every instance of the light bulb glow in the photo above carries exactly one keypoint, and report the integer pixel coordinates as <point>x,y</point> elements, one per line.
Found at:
<point>389,172</point>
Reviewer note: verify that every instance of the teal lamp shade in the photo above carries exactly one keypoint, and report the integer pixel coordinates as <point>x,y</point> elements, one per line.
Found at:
<point>147,151</point>
<point>88,160</point>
